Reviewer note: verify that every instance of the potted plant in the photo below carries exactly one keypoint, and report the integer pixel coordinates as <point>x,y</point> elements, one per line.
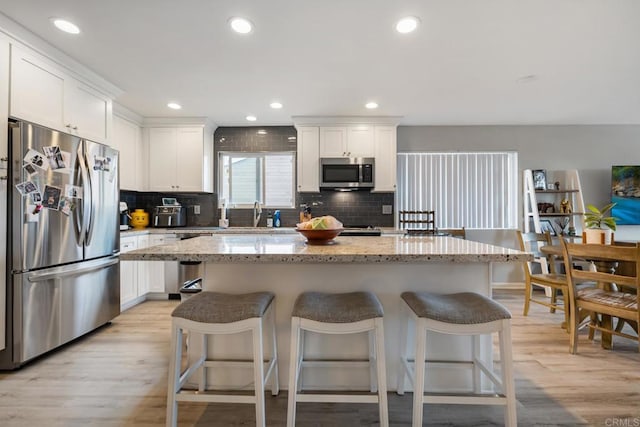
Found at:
<point>599,228</point>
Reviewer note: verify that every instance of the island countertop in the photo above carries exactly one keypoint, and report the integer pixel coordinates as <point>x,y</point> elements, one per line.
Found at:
<point>286,248</point>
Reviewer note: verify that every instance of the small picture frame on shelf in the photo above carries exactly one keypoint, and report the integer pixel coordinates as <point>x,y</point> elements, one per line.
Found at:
<point>547,225</point>
<point>539,179</point>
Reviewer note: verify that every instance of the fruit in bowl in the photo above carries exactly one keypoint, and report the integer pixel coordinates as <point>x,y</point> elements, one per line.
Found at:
<point>320,230</point>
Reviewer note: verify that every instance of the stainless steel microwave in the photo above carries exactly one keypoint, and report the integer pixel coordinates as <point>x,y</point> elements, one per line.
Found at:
<point>347,172</point>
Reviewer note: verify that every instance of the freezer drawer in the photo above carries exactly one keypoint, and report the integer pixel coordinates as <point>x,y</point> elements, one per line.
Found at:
<point>57,305</point>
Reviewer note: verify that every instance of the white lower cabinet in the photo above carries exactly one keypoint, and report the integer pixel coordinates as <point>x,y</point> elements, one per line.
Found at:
<point>138,279</point>
<point>144,268</point>
<point>128,274</point>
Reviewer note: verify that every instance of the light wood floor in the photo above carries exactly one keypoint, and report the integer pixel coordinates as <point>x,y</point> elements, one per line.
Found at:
<point>117,377</point>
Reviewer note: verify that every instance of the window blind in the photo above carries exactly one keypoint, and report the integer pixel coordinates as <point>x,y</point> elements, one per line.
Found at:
<point>471,190</point>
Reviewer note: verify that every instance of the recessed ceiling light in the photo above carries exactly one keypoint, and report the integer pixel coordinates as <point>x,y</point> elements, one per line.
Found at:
<point>371,105</point>
<point>407,24</point>
<point>174,105</point>
<point>66,26</point>
<point>241,25</point>
<point>275,105</point>
<point>262,132</point>
<point>251,118</point>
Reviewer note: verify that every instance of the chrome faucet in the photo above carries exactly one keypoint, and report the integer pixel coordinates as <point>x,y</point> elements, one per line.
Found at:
<point>257,210</point>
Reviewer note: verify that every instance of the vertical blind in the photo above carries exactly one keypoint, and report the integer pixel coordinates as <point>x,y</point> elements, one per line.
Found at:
<point>471,190</point>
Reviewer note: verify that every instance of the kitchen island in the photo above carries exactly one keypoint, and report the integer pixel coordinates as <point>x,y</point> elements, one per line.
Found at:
<point>387,265</point>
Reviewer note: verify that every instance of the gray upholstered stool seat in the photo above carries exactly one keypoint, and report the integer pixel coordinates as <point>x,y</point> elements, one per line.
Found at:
<point>337,308</point>
<point>216,307</point>
<point>338,314</point>
<point>215,313</point>
<point>465,313</point>
<point>463,308</point>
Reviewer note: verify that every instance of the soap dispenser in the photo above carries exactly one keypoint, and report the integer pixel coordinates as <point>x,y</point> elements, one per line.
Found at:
<point>276,218</point>
<point>269,219</point>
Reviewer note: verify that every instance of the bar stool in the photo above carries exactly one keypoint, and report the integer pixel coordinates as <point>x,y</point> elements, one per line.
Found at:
<point>213,313</point>
<point>464,313</point>
<point>347,313</point>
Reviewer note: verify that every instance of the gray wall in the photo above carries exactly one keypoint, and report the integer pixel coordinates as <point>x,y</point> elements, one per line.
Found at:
<point>592,150</point>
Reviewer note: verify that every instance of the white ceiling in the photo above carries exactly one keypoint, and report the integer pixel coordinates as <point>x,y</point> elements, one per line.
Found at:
<point>463,66</point>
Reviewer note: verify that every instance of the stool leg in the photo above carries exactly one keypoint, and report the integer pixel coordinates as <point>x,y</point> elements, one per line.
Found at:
<point>275,381</point>
<point>293,371</point>
<point>373,381</point>
<point>477,372</point>
<point>404,330</point>
<point>174,375</point>
<point>258,372</point>
<point>508,386</point>
<point>300,371</point>
<point>418,381</point>
<point>381,372</point>
<point>205,355</point>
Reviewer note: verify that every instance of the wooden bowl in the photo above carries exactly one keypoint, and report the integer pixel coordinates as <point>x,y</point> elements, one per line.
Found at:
<point>319,237</point>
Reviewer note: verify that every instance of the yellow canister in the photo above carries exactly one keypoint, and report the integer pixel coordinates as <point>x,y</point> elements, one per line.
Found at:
<point>139,218</point>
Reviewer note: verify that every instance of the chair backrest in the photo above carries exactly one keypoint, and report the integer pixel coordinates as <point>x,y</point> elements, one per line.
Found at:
<point>610,254</point>
<point>460,233</point>
<point>422,221</point>
<point>532,242</point>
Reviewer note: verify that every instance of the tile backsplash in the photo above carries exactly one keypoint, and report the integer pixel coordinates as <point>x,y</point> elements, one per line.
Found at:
<point>351,208</point>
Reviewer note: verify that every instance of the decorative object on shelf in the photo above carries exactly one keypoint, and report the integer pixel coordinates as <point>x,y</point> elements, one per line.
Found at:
<point>599,227</point>
<point>557,185</point>
<point>546,225</point>
<point>546,207</point>
<point>139,218</point>
<point>550,186</point>
<point>561,224</point>
<point>539,179</point>
<point>565,206</point>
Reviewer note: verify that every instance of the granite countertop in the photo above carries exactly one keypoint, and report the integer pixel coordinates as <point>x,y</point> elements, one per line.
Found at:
<point>285,248</point>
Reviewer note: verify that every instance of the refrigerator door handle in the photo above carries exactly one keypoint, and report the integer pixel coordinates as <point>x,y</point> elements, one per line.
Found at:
<point>88,183</point>
<point>66,271</point>
<point>86,194</point>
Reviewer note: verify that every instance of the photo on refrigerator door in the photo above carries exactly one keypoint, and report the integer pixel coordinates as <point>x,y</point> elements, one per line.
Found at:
<point>67,205</point>
<point>51,197</point>
<point>54,156</point>
<point>36,159</point>
<point>27,187</point>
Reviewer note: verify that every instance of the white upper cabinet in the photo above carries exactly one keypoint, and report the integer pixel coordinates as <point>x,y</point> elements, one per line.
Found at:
<point>87,112</point>
<point>44,94</point>
<point>180,159</point>
<point>126,139</point>
<point>349,136</point>
<point>308,158</point>
<point>360,141</point>
<point>346,141</point>
<point>333,141</point>
<point>385,142</point>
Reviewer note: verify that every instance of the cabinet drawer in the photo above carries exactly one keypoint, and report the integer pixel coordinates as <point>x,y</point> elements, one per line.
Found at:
<point>128,244</point>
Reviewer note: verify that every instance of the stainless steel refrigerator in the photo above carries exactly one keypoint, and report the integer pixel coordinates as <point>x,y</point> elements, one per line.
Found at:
<point>63,275</point>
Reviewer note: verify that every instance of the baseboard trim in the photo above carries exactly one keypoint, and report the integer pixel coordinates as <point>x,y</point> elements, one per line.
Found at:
<point>507,285</point>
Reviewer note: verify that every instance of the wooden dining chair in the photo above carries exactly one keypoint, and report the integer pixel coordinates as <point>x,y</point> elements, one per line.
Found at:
<point>531,242</point>
<point>606,300</point>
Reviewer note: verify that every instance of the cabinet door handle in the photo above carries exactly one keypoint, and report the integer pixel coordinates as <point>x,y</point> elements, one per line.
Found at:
<point>68,125</point>
<point>3,178</point>
<point>75,128</point>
